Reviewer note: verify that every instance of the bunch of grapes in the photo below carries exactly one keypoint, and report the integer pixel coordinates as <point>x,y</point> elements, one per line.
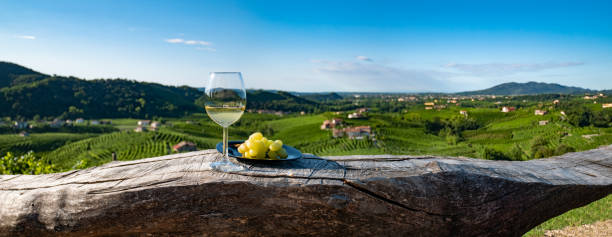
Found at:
<point>259,147</point>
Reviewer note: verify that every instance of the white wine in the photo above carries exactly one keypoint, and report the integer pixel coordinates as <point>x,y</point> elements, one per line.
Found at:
<point>225,116</point>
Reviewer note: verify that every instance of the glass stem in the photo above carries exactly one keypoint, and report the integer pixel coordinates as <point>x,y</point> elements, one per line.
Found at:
<point>225,155</point>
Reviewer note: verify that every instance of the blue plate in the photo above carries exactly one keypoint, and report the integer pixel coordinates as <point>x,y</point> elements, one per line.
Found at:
<point>292,153</point>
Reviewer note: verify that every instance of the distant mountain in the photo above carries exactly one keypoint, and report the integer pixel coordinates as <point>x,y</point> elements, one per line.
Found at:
<point>13,74</point>
<point>528,88</point>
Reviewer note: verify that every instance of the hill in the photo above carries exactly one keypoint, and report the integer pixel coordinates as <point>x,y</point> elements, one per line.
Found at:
<point>279,100</point>
<point>29,94</point>
<point>321,97</point>
<point>13,74</point>
<point>528,88</point>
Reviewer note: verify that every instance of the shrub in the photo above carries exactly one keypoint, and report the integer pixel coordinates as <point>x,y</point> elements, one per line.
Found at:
<point>25,164</point>
<point>492,154</point>
<point>562,149</point>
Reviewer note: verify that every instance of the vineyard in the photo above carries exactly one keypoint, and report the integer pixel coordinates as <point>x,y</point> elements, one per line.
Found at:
<point>127,146</point>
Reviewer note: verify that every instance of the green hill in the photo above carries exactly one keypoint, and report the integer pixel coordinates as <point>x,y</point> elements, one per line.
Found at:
<point>528,88</point>
<point>321,97</point>
<point>13,74</point>
<point>27,93</point>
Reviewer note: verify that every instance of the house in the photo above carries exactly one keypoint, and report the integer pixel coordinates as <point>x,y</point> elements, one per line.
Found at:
<point>428,107</point>
<point>68,121</point>
<point>24,134</point>
<point>140,129</point>
<point>540,112</point>
<point>356,115</point>
<point>336,121</point>
<point>358,132</point>
<point>327,124</point>
<point>155,126</point>
<point>56,123</point>
<point>464,113</point>
<point>556,102</point>
<point>362,110</point>
<point>94,122</point>
<point>429,103</point>
<point>337,132</point>
<point>184,146</point>
<point>79,121</point>
<point>452,101</point>
<point>439,107</point>
<point>21,124</point>
<point>543,122</point>
<point>506,109</point>
<point>144,123</point>
<point>609,105</point>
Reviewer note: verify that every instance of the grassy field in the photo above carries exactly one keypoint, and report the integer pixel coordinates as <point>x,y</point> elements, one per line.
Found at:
<point>595,211</point>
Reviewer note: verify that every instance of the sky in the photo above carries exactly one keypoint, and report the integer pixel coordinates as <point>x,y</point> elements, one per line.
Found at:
<point>316,46</point>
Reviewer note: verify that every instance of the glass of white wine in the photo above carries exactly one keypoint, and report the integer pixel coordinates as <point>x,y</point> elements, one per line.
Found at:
<point>225,104</point>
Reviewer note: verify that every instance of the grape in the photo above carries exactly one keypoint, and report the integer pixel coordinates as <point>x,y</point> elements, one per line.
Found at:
<point>256,136</point>
<point>276,146</point>
<point>260,147</point>
<point>272,154</point>
<point>282,153</point>
<point>243,148</point>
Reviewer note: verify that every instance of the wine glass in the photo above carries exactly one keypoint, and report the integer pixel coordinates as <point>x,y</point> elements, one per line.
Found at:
<point>225,104</point>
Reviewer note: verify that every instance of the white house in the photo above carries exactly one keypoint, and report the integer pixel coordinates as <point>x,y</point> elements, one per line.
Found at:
<point>144,123</point>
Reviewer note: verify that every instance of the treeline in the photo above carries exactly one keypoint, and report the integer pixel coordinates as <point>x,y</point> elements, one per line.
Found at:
<point>69,97</point>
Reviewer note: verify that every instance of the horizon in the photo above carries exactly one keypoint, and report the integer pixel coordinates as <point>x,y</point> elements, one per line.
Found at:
<point>323,92</point>
<point>408,47</point>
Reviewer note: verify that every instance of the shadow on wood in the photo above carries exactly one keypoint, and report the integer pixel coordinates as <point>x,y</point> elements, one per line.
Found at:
<point>354,195</point>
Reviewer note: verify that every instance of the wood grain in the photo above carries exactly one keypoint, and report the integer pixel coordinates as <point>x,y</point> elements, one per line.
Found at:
<point>338,196</point>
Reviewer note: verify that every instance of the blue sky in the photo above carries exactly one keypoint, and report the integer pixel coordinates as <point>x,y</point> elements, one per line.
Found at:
<point>395,46</point>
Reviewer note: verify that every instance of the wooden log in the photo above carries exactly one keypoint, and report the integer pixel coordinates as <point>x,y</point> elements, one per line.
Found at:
<point>353,195</point>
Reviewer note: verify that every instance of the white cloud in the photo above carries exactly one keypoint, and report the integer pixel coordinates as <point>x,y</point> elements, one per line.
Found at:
<point>175,41</point>
<point>207,49</point>
<point>354,76</point>
<point>28,37</point>
<point>507,68</point>
<point>364,58</point>
<point>188,42</point>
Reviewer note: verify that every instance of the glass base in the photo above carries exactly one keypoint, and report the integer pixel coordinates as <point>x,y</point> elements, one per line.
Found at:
<point>226,166</point>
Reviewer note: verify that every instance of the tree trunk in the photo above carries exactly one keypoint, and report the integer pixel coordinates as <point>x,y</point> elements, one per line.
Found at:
<point>353,195</point>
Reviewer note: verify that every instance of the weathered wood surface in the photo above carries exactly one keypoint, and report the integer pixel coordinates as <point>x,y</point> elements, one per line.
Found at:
<point>356,196</point>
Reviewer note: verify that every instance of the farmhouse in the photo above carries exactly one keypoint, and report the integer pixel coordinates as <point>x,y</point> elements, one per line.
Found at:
<point>463,112</point>
<point>609,105</point>
<point>543,122</point>
<point>144,123</point>
<point>555,101</point>
<point>327,124</point>
<point>356,115</point>
<point>359,132</point>
<point>79,120</point>
<point>140,129</point>
<point>506,109</point>
<point>24,134</point>
<point>540,112</point>
<point>155,126</point>
<point>429,103</point>
<point>56,123</point>
<point>21,124</point>
<point>94,122</point>
<point>184,146</point>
